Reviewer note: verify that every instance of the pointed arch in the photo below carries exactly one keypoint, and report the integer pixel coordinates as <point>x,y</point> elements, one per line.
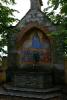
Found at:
<point>31,26</point>
<point>24,43</point>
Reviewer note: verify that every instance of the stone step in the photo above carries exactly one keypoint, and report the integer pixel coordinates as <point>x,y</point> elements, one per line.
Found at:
<point>34,93</point>
<point>30,93</point>
<point>30,96</point>
<point>54,89</point>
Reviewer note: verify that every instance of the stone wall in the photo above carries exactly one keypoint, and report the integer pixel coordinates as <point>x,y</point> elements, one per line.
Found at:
<point>65,69</point>
<point>36,16</point>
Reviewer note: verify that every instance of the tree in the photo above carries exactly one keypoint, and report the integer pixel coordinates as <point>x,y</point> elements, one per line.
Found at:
<point>6,20</point>
<point>59,19</point>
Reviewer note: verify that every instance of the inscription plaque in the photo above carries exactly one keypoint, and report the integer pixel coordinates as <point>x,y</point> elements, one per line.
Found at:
<point>33,80</point>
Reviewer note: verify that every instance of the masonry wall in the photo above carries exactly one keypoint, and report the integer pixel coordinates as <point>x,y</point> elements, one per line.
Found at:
<point>65,69</point>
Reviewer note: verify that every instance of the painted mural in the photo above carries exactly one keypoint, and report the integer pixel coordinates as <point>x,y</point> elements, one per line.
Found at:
<point>36,46</point>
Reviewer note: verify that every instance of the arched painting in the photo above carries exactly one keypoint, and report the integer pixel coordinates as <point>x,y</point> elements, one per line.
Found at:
<point>36,46</point>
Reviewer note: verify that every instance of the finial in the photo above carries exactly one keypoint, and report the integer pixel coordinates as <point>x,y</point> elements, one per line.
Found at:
<point>36,4</point>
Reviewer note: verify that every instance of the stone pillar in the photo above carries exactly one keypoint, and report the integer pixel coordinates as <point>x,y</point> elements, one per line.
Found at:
<point>65,70</point>
<point>36,4</point>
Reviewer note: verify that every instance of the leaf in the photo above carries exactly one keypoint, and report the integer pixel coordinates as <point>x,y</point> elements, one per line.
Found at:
<point>6,19</point>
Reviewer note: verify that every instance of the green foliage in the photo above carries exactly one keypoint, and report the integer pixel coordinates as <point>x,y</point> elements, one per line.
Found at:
<point>6,20</point>
<point>8,1</point>
<point>59,19</point>
<point>56,3</point>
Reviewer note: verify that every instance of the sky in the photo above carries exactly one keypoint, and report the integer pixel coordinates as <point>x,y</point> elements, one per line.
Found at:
<point>23,6</point>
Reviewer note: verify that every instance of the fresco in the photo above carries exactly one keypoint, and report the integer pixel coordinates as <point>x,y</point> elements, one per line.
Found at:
<point>36,45</point>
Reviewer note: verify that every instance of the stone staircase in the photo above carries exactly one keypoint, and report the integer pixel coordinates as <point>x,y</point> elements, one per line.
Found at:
<point>46,94</point>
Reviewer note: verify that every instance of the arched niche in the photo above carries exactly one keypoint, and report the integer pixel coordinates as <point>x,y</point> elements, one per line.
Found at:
<point>34,43</point>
